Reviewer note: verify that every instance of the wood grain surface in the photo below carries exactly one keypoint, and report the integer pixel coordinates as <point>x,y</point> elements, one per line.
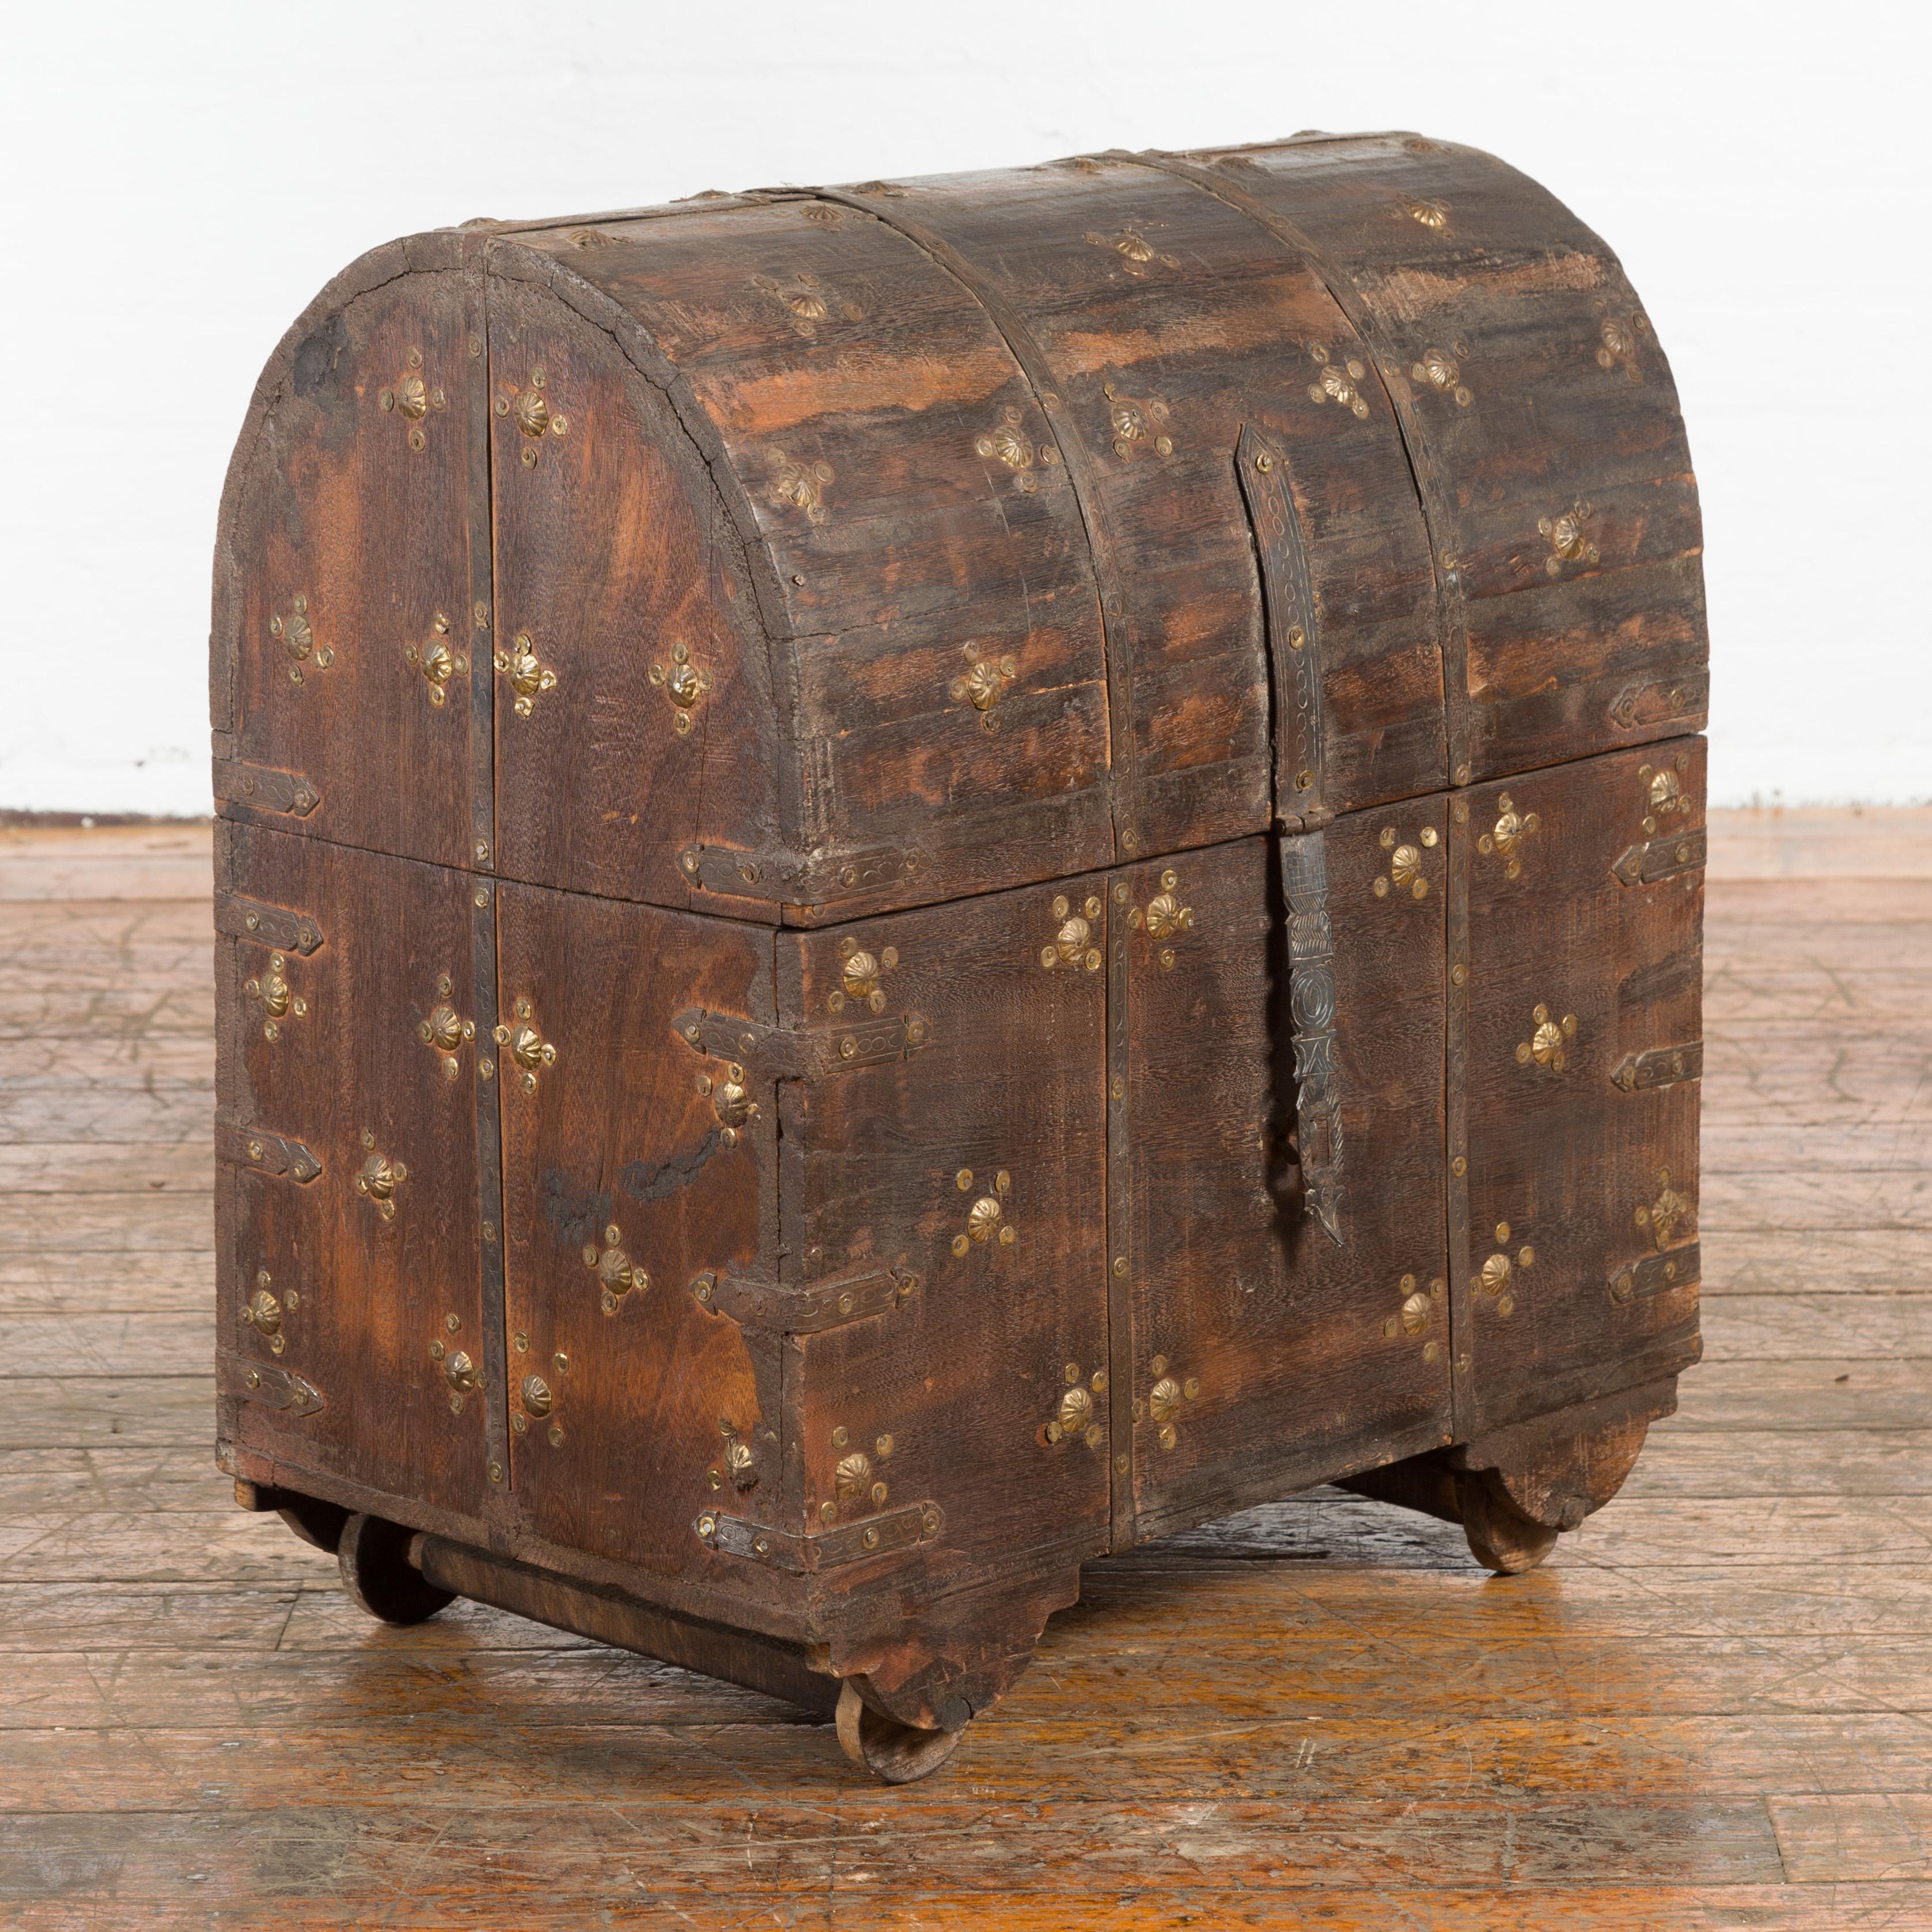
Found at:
<point>1708,1710</point>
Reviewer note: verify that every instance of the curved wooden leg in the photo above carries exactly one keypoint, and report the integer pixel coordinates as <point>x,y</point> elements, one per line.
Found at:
<point>1501,1538</point>
<point>1515,1490</point>
<point>374,1558</point>
<point>895,1753</point>
<point>934,1668</point>
<point>313,1520</point>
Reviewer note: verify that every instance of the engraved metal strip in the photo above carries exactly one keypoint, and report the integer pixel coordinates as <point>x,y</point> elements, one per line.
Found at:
<point>1311,970</point>
<point>1657,1274</point>
<point>1660,1066</point>
<point>294,1395</point>
<point>805,1310</point>
<point>822,1549</point>
<point>1294,649</point>
<point>1657,859</point>
<point>266,1152</point>
<point>1455,1110</point>
<point>1121,1500</point>
<point>1641,706</point>
<point>267,924</point>
<point>262,788</point>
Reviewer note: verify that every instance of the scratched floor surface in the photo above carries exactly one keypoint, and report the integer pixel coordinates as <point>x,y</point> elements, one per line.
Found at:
<point>1713,1709</point>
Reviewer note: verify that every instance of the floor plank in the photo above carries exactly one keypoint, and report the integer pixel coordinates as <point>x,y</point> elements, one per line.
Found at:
<point>1709,1709</point>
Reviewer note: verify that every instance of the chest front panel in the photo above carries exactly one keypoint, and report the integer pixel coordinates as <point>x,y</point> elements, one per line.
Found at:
<point>974,1165</point>
<point>1577,908</point>
<point>633,702</point>
<point>1264,1353</point>
<point>631,1163</point>
<point>353,1338</point>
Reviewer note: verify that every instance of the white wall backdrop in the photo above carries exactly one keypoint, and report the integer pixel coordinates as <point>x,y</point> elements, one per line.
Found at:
<point>178,180</point>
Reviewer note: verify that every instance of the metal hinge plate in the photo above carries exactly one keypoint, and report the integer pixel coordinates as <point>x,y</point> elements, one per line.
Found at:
<point>794,880</point>
<point>822,1549</point>
<point>805,1310</point>
<point>1660,1066</point>
<point>263,788</point>
<point>274,1388</point>
<point>804,1053</point>
<point>1658,1273</point>
<point>257,920</point>
<point>265,1152</point>
<point>1657,859</point>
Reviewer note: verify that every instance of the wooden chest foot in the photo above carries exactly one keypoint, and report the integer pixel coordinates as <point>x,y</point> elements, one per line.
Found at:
<point>1501,1538</point>
<point>1515,1490</point>
<point>316,1521</point>
<point>895,1754</point>
<point>374,1557</point>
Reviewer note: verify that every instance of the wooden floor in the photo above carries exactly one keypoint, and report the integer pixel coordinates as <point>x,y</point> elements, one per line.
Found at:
<point>1713,1709</point>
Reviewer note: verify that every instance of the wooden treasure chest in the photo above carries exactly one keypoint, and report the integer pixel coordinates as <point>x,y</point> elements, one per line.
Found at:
<point>915,881</point>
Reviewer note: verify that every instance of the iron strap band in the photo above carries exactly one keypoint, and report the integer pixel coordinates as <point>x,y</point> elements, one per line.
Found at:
<point>1295,652</point>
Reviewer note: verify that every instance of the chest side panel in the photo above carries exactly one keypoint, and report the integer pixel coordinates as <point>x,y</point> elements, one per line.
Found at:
<point>1584,1047</point>
<point>343,644</point>
<point>631,1164</point>
<point>1165,323</point>
<point>352,1337</point>
<point>1546,431</point>
<point>975,1166</point>
<point>926,571</point>
<point>1265,1354</point>
<point>634,715</point>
